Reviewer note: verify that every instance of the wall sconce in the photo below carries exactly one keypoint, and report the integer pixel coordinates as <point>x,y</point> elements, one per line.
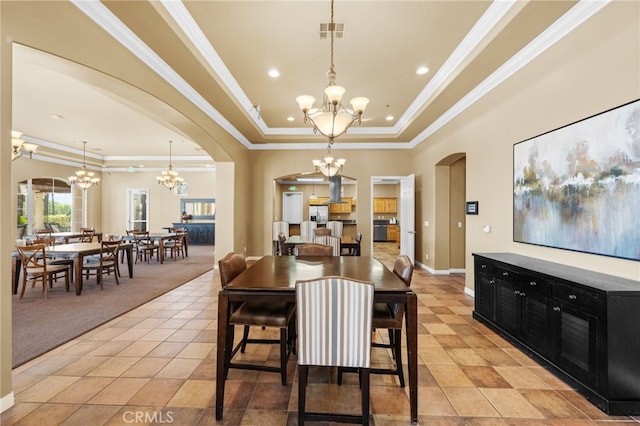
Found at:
<point>20,147</point>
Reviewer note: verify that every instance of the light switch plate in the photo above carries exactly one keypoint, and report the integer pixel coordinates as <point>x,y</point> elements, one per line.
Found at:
<point>486,228</point>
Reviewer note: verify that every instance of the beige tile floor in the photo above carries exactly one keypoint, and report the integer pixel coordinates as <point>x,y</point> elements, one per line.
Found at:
<point>156,365</point>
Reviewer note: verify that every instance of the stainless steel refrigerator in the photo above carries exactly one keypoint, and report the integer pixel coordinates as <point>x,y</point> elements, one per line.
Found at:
<point>319,214</point>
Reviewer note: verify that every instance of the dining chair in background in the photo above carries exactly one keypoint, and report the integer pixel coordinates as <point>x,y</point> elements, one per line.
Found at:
<point>307,228</point>
<point>328,240</point>
<point>106,263</point>
<point>391,317</point>
<point>336,227</point>
<point>144,246</point>
<point>175,246</point>
<point>52,259</point>
<point>281,240</point>
<point>353,251</point>
<point>334,330</point>
<point>313,249</point>
<point>87,234</point>
<point>276,228</point>
<point>321,231</point>
<point>35,268</point>
<point>278,314</point>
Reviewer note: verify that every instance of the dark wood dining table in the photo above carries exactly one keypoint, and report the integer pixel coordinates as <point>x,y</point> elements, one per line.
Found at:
<point>80,250</point>
<point>274,277</point>
<point>346,242</point>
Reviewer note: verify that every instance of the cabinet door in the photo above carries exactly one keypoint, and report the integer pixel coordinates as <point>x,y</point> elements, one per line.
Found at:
<point>378,205</point>
<point>575,342</point>
<point>534,322</point>
<point>485,299</point>
<point>508,311</point>
<point>391,205</point>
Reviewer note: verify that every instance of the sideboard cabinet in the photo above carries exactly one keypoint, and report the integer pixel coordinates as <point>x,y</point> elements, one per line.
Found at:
<point>583,325</point>
<point>203,233</point>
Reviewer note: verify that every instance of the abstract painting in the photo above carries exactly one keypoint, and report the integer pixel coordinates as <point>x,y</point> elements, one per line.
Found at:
<point>578,187</point>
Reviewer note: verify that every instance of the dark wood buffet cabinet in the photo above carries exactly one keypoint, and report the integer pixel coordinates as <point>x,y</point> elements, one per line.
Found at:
<point>583,326</point>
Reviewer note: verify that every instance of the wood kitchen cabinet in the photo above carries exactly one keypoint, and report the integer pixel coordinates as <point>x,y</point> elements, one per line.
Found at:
<point>385,205</point>
<point>320,201</point>
<point>393,233</point>
<point>344,207</point>
<point>580,324</point>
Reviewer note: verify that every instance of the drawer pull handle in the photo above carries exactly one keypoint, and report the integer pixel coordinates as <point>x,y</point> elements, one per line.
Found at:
<point>493,281</point>
<point>533,283</point>
<point>505,274</point>
<point>483,266</point>
<point>572,297</point>
<point>556,309</point>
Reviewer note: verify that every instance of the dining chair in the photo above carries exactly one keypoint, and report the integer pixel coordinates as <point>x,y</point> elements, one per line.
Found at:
<point>175,246</point>
<point>321,231</point>
<point>353,251</point>
<point>52,259</point>
<point>281,240</point>
<point>334,330</point>
<point>106,263</point>
<point>307,227</point>
<point>35,268</point>
<point>276,313</point>
<point>278,227</point>
<point>329,240</point>
<point>336,228</point>
<point>313,249</point>
<point>391,317</point>
<point>87,234</point>
<point>144,246</point>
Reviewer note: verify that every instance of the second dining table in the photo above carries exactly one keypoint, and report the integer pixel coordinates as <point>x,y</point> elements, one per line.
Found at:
<point>80,250</point>
<point>274,277</point>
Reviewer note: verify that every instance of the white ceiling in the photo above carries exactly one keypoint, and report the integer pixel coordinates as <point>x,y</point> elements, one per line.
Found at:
<point>218,53</point>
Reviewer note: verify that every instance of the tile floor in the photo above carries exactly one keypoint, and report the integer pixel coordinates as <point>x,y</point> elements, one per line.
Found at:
<point>156,365</point>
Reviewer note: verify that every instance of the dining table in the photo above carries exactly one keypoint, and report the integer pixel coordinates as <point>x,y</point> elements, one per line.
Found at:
<point>65,237</point>
<point>274,278</point>
<point>78,251</point>
<point>346,242</point>
<point>161,238</point>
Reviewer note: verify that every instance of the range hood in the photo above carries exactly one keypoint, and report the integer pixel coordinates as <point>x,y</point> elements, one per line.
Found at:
<point>335,189</point>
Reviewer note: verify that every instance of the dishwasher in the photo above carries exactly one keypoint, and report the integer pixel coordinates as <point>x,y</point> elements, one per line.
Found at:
<point>380,230</point>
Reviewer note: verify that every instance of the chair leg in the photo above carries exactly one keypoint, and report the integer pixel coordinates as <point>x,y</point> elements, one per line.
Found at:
<point>397,350</point>
<point>283,355</point>
<point>245,337</point>
<point>364,375</point>
<point>303,372</point>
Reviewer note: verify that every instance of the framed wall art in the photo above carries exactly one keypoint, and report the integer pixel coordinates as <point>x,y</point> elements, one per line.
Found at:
<point>578,187</point>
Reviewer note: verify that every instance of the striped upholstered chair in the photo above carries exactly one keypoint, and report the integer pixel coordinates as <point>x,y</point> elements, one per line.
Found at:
<point>328,240</point>
<point>334,330</point>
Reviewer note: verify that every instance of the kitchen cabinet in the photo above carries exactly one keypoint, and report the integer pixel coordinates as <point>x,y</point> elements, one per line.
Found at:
<point>393,233</point>
<point>320,201</point>
<point>385,205</point>
<point>581,325</point>
<point>344,207</point>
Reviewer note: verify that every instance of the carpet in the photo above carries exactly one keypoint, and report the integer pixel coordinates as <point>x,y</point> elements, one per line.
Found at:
<point>40,325</point>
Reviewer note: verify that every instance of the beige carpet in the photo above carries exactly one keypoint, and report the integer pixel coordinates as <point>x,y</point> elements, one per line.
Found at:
<point>40,325</point>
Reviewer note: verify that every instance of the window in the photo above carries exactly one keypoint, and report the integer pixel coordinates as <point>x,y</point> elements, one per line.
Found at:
<point>44,203</point>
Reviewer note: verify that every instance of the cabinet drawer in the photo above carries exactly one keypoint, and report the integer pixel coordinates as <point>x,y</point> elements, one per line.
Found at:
<point>531,283</point>
<point>580,298</point>
<point>484,266</point>
<point>502,273</point>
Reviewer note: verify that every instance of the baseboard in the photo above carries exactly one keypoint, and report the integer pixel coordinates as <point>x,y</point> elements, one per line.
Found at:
<point>433,271</point>
<point>6,402</point>
<point>470,292</point>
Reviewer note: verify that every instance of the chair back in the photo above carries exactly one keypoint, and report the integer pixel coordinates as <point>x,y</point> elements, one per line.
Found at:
<point>359,237</point>
<point>42,233</point>
<point>230,267</point>
<point>329,240</point>
<point>278,227</point>
<point>33,257</point>
<point>334,322</point>
<point>403,268</point>
<point>313,249</point>
<point>87,234</point>
<point>336,228</point>
<point>307,228</point>
<point>321,231</point>
<point>109,251</point>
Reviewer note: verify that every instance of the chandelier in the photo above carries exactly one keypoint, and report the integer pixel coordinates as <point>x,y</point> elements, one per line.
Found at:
<point>20,147</point>
<point>170,179</point>
<point>83,178</point>
<point>328,166</point>
<point>332,119</point>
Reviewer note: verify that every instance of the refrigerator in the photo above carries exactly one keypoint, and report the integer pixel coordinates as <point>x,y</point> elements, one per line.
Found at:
<point>319,214</point>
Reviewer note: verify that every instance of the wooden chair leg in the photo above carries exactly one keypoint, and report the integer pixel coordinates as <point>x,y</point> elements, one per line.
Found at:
<point>365,395</point>
<point>283,355</point>
<point>303,372</point>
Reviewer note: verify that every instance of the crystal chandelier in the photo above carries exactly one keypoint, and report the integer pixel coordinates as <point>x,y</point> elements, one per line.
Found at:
<point>20,147</point>
<point>328,166</point>
<point>332,119</point>
<point>83,178</point>
<point>170,179</point>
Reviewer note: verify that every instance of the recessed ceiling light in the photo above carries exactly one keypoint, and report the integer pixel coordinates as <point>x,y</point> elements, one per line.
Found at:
<point>56,117</point>
<point>389,117</point>
<point>274,73</point>
<point>290,118</point>
<point>422,70</point>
